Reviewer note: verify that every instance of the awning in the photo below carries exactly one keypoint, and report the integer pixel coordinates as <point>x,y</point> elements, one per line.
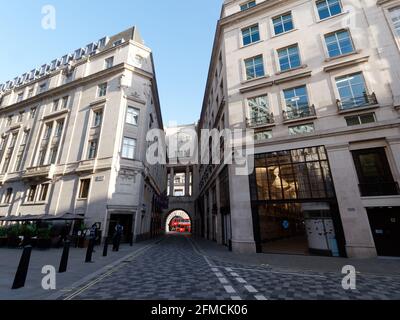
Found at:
<point>63,217</point>
<point>28,217</point>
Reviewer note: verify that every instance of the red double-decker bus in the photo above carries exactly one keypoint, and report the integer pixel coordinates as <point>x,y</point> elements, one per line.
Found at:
<point>180,225</point>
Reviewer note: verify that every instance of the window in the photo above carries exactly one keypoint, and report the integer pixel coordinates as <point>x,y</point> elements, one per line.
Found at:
<point>98,118</point>
<point>44,188</point>
<point>250,35</point>
<point>20,97</point>
<point>33,113</point>
<point>352,91</point>
<point>32,193</point>
<point>374,173</point>
<point>118,42</point>
<point>132,116</point>
<point>247,5</point>
<point>42,87</point>
<point>283,23</point>
<point>301,129</point>
<point>30,93</point>
<point>21,151</point>
<point>297,104</point>
<point>254,67</point>
<point>92,152</point>
<point>9,152</point>
<point>328,8</point>
<point>102,90</point>
<point>21,116</point>
<point>128,148</point>
<point>259,110</point>
<point>289,58</point>
<point>360,119</point>
<point>59,129</point>
<point>64,103</point>
<point>263,135</point>
<point>44,144</point>
<point>7,196</point>
<point>339,43</point>
<point>55,104</point>
<point>84,189</point>
<point>9,120</point>
<point>395,17</point>
<point>109,62</point>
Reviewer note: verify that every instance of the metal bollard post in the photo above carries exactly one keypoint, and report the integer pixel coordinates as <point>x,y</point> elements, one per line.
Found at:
<point>105,249</point>
<point>89,251</point>
<point>22,271</point>
<point>64,257</point>
<point>131,239</point>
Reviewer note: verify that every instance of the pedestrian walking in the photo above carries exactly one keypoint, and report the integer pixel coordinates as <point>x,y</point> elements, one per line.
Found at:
<point>119,229</point>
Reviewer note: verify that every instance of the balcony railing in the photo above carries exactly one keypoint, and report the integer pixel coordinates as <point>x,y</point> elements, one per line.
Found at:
<point>357,102</point>
<point>301,112</point>
<point>379,189</point>
<point>261,120</point>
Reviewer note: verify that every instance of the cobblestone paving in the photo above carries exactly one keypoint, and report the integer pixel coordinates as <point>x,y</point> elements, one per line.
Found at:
<point>175,269</point>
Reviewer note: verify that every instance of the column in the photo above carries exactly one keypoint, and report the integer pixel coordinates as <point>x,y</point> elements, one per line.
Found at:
<point>171,182</point>
<point>187,181</point>
<point>357,231</point>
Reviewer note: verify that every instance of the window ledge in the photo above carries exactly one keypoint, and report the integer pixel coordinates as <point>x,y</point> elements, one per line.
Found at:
<point>303,66</point>
<point>39,203</point>
<point>358,109</point>
<point>283,33</point>
<point>99,100</point>
<point>299,119</point>
<point>56,113</point>
<point>344,64</point>
<point>4,205</point>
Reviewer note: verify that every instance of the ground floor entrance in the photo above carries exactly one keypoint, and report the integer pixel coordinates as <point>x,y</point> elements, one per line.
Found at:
<point>297,228</point>
<point>126,220</point>
<point>385,226</point>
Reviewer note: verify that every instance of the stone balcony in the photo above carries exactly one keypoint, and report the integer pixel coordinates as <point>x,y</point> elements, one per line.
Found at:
<point>40,172</point>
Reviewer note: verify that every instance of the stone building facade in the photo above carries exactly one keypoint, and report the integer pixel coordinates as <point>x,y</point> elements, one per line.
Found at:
<point>73,137</point>
<point>318,82</point>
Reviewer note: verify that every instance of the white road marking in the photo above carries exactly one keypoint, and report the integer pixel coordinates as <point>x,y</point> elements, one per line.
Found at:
<point>241,280</point>
<point>251,289</point>
<point>228,269</point>
<point>223,280</point>
<point>260,297</point>
<point>229,289</point>
<point>236,298</point>
<point>234,274</point>
<point>219,274</point>
<point>215,269</point>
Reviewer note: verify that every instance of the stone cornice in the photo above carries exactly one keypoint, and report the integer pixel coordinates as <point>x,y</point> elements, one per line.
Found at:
<point>345,64</point>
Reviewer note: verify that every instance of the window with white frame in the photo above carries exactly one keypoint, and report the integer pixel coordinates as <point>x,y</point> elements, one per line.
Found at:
<point>109,62</point>
<point>352,91</point>
<point>21,116</point>
<point>92,149</point>
<point>339,43</point>
<point>7,196</point>
<point>262,135</point>
<point>289,58</point>
<point>30,93</point>
<point>360,119</point>
<point>102,90</point>
<point>20,97</point>
<point>51,141</point>
<point>31,194</point>
<point>97,118</point>
<point>301,129</point>
<point>296,99</point>
<point>132,116</point>
<point>9,120</point>
<point>64,102</point>
<point>328,8</point>
<point>254,67</point>
<point>247,5</point>
<point>42,87</point>
<point>21,151</point>
<point>283,23</point>
<point>9,152</point>
<point>84,189</point>
<point>259,110</point>
<point>129,148</point>
<point>56,102</point>
<point>395,18</point>
<point>33,112</point>
<point>44,189</point>
<point>250,35</point>
<point>37,193</point>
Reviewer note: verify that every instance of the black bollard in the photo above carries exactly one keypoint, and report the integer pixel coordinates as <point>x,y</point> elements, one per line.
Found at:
<point>89,251</point>
<point>131,239</point>
<point>105,250</point>
<point>64,257</point>
<point>22,271</point>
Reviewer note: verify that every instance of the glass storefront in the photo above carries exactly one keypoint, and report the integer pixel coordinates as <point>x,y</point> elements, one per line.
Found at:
<point>294,202</point>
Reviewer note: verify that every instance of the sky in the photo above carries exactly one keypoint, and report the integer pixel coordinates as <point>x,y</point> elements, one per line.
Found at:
<point>179,32</point>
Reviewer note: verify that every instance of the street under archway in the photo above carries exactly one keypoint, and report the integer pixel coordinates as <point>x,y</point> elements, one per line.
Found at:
<point>178,221</point>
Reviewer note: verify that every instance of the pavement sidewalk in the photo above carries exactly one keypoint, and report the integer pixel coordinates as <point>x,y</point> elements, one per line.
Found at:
<point>78,271</point>
<point>374,266</point>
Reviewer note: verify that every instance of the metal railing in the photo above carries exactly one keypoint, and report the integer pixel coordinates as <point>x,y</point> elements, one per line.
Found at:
<point>357,102</point>
<point>261,120</point>
<point>379,189</point>
<point>298,113</point>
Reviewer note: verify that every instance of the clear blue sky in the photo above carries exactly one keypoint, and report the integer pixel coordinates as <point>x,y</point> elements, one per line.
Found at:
<point>180,33</point>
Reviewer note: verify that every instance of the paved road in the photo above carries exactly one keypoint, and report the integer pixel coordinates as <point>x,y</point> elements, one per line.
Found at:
<point>175,269</point>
